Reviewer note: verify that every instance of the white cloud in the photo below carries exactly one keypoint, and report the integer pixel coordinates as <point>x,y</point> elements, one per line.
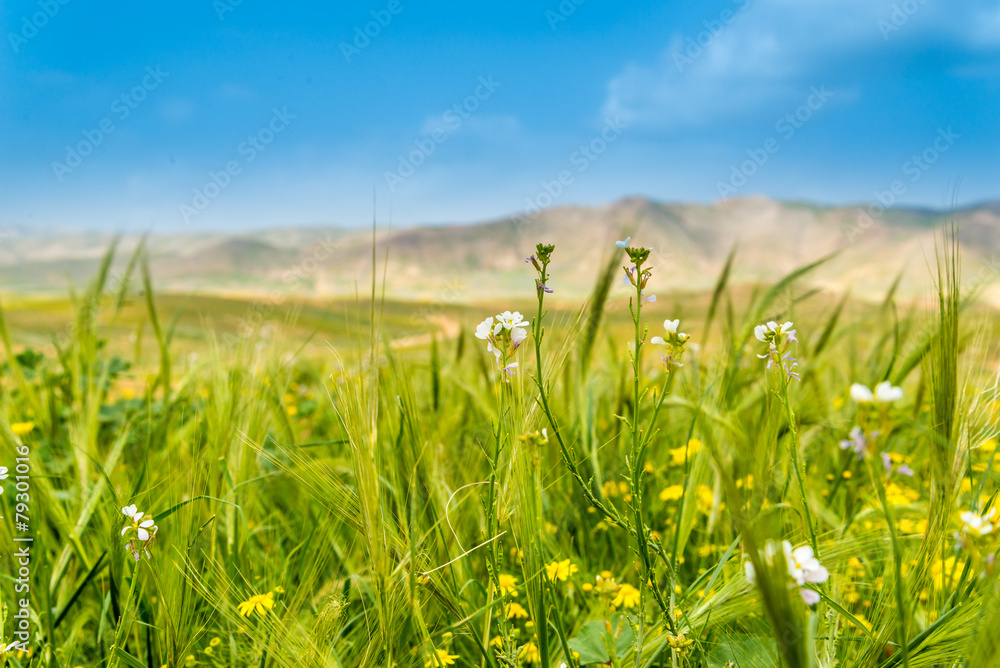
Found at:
<point>770,52</point>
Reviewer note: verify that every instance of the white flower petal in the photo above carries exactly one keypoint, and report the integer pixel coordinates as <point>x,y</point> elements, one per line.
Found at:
<point>483,329</point>
<point>861,394</point>
<point>886,393</point>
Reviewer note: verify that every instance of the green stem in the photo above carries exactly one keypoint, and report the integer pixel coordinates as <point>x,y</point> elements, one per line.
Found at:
<point>793,429</point>
<point>122,623</point>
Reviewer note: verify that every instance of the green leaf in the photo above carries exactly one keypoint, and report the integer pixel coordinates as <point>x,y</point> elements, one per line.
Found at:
<point>745,651</point>
<point>128,659</point>
<point>589,644</point>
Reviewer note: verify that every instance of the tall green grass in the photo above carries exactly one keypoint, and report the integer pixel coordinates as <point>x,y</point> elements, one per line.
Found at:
<point>405,507</point>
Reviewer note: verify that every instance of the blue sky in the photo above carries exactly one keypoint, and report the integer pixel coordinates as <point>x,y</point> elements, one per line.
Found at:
<point>244,114</point>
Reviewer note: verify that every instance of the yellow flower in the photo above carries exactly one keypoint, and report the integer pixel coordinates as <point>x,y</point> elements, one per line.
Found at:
<point>516,611</point>
<point>292,411</point>
<point>440,658</point>
<point>260,603</point>
<point>672,493</point>
<point>628,596</point>
<point>898,495</point>
<point>279,590</point>
<point>560,570</point>
<point>22,428</point>
<point>677,455</point>
<point>508,584</point>
<point>214,642</point>
<point>909,526</point>
<point>529,653</point>
<point>942,570</point>
<point>706,499</point>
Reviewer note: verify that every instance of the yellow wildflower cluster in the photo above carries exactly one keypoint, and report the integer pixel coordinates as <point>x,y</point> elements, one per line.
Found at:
<point>560,570</point>
<point>678,455</point>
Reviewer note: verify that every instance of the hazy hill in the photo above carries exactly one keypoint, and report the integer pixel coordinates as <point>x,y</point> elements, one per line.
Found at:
<point>458,263</point>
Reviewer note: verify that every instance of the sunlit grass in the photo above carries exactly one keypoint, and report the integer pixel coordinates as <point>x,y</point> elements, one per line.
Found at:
<point>352,483</point>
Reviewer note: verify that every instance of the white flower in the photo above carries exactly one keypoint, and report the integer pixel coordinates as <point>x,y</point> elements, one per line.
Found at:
<point>671,327</point>
<point>484,329</point>
<point>142,526</point>
<point>862,393</point>
<point>772,329</point>
<point>885,393</point>
<point>510,320</point>
<point>517,335</point>
<point>803,567</point>
<point>978,525</point>
<point>624,244</point>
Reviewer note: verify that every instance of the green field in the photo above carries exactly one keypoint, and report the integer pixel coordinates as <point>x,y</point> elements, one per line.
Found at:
<point>356,483</point>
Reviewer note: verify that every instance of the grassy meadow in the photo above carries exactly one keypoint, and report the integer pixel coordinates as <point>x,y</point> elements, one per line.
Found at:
<point>377,483</point>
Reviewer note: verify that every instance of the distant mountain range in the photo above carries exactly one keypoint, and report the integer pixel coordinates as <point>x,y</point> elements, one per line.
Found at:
<point>464,263</point>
